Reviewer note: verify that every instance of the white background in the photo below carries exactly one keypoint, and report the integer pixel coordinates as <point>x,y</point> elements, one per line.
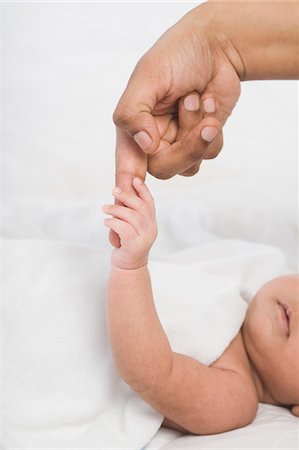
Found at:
<point>66,64</point>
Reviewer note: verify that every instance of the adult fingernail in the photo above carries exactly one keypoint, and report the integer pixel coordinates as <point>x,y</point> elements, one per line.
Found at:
<point>117,190</point>
<point>191,102</point>
<point>143,140</point>
<point>209,133</point>
<point>209,105</point>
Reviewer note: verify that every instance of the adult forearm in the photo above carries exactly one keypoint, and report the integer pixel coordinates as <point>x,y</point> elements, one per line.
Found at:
<point>260,38</point>
<point>141,350</point>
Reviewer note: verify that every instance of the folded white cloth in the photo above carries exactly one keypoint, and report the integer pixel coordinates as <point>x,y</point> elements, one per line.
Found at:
<point>201,313</point>
<point>61,387</point>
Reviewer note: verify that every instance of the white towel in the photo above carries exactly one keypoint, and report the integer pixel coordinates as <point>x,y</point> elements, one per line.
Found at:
<point>61,387</point>
<point>201,313</point>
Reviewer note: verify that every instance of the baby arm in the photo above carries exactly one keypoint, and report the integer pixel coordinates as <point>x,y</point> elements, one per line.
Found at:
<point>140,347</point>
<point>191,396</point>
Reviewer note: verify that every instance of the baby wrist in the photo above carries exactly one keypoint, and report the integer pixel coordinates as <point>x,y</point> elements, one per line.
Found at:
<point>128,265</point>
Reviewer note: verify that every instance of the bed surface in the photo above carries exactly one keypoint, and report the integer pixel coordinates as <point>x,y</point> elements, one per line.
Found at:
<point>273,428</point>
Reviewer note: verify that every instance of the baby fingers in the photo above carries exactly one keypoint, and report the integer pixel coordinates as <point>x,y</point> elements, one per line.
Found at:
<point>142,202</point>
<point>125,231</point>
<point>127,215</point>
<point>142,190</point>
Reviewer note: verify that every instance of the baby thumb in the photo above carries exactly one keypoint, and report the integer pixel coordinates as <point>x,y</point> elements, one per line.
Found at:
<point>114,239</point>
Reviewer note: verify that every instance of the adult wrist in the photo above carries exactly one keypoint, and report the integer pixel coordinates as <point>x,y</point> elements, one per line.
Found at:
<point>210,31</point>
<point>261,39</point>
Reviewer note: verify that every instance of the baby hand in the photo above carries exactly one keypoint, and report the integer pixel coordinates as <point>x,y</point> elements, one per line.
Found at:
<point>135,223</point>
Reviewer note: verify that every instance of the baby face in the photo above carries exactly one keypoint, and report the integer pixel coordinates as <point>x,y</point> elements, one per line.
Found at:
<point>271,337</point>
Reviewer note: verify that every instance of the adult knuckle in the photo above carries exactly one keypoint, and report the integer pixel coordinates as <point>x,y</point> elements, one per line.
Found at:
<point>122,116</point>
<point>158,173</point>
<point>213,152</point>
<point>211,155</point>
<point>160,168</point>
<point>194,152</point>
<point>191,171</point>
<point>214,148</point>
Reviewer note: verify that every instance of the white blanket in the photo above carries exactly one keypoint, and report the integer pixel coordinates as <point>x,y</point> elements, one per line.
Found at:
<point>61,387</point>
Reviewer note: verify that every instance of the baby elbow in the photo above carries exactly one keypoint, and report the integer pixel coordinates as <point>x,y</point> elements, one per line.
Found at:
<point>247,415</point>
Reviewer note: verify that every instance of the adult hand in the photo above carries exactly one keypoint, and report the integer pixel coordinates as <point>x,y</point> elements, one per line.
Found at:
<point>187,63</point>
<point>185,87</point>
<point>177,99</point>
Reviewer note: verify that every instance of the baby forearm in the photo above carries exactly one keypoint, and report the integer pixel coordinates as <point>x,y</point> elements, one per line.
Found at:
<point>140,347</point>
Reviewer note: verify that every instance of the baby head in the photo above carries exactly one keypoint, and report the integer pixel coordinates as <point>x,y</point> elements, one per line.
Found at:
<point>271,337</point>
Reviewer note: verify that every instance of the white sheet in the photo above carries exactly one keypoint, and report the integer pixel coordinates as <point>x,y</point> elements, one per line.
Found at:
<point>273,428</point>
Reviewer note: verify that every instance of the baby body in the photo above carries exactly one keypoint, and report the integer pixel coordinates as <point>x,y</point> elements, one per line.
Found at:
<point>260,364</point>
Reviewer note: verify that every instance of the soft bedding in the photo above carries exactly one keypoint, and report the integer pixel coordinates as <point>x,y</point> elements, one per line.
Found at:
<point>273,428</point>
<point>61,388</point>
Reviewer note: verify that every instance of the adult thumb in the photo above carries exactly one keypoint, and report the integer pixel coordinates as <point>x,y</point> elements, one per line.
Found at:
<point>137,120</point>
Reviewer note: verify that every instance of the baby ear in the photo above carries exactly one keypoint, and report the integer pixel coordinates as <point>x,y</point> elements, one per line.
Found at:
<point>295,410</point>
